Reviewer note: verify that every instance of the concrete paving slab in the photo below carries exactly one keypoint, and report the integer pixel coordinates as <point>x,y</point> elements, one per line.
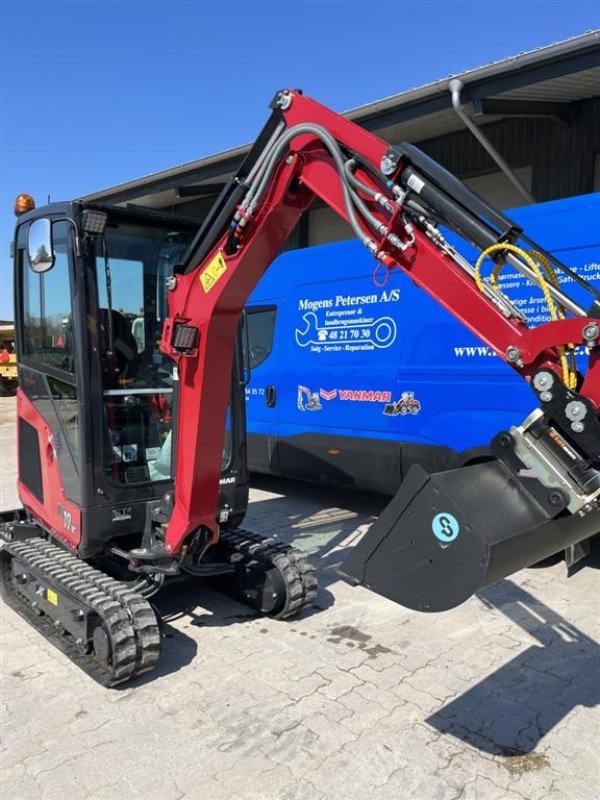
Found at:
<point>357,698</point>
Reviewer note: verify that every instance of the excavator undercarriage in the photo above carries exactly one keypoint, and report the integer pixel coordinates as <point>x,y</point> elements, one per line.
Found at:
<point>107,626</point>
<point>107,629</point>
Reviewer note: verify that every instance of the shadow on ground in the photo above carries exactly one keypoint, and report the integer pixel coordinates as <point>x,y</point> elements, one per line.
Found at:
<point>178,650</point>
<point>510,711</point>
<point>201,604</point>
<point>197,604</point>
<point>326,522</point>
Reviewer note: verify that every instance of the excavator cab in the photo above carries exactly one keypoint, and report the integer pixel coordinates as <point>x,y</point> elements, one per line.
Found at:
<point>99,415</point>
<point>97,406</point>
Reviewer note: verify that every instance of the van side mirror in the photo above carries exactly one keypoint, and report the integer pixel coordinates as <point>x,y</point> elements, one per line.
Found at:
<point>40,249</point>
<point>244,342</point>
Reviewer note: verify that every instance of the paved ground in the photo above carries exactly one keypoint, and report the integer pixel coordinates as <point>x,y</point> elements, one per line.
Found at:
<point>358,698</point>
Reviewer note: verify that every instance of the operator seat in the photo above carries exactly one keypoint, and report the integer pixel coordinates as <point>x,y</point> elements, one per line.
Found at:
<point>122,364</point>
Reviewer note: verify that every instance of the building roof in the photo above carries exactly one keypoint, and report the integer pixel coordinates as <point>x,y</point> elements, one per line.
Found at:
<point>543,81</point>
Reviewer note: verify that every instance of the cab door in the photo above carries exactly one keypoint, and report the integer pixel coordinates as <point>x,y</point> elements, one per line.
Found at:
<point>48,407</point>
<point>262,391</point>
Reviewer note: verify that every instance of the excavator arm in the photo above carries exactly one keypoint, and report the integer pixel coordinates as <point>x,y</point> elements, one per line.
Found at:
<point>442,536</point>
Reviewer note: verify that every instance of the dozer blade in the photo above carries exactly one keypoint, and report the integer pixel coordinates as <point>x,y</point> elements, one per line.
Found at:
<point>444,536</point>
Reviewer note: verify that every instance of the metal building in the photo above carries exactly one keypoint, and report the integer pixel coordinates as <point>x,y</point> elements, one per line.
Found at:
<point>524,129</point>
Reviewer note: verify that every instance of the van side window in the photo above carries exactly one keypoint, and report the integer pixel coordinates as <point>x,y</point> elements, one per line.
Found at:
<point>48,335</point>
<point>261,329</point>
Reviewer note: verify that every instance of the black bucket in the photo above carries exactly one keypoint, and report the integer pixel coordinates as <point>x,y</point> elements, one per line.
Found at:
<point>444,536</point>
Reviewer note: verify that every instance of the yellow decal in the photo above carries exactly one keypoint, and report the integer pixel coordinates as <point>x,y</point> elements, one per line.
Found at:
<point>52,597</point>
<point>212,273</point>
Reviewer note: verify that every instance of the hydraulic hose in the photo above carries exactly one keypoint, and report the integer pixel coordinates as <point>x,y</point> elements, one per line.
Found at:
<point>386,203</point>
<point>378,197</point>
<point>569,370</point>
<point>256,192</point>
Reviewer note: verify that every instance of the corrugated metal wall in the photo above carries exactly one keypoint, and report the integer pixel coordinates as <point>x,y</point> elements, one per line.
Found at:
<point>558,153</point>
<point>561,153</point>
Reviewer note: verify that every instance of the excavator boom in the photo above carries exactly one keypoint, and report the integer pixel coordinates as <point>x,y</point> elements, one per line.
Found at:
<point>398,202</point>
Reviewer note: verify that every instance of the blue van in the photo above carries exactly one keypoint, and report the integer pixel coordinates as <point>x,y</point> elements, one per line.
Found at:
<point>353,381</point>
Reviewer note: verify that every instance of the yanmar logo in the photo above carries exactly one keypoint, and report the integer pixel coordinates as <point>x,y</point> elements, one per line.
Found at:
<point>328,395</point>
<point>364,395</point>
<point>355,395</point>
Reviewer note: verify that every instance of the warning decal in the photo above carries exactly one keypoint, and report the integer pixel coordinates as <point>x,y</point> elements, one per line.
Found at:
<point>212,273</point>
<point>52,597</point>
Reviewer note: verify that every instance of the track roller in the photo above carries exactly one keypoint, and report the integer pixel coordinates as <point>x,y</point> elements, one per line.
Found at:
<point>102,625</point>
<point>270,577</point>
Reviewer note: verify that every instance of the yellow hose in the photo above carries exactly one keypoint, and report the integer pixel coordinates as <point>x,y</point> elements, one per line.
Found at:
<point>569,367</point>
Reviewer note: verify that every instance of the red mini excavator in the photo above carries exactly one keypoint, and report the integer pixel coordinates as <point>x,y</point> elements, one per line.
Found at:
<point>121,443</point>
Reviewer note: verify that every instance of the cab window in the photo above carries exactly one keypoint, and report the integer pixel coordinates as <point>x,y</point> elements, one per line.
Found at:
<point>132,263</point>
<point>47,318</point>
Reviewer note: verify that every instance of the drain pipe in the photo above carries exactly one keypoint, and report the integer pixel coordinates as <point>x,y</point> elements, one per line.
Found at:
<point>455,87</point>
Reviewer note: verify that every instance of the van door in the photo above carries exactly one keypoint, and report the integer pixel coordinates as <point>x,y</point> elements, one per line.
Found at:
<point>340,348</point>
<point>262,401</point>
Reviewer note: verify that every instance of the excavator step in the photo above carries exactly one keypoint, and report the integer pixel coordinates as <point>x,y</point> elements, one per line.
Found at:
<point>102,625</point>
<point>271,577</point>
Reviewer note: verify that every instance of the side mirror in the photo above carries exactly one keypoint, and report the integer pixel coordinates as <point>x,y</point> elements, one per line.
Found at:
<point>39,245</point>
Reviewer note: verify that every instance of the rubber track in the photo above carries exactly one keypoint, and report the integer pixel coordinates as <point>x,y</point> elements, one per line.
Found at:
<point>297,572</point>
<point>142,617</point>
<point>129,619</point>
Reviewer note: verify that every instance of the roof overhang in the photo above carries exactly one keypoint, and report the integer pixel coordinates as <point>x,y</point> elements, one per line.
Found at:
<point>544,82</point>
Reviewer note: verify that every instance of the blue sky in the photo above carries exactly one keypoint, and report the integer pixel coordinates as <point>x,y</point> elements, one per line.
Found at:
<point>94,94</point>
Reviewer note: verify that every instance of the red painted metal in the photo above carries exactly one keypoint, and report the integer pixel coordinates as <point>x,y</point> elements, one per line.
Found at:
<point>308,172</point>
<point>57,514</point>
<point>205,378</point>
